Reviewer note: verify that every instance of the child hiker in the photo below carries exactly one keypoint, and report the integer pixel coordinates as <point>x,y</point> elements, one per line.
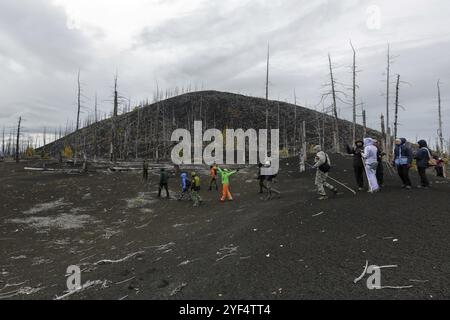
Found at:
<point>225,174</point>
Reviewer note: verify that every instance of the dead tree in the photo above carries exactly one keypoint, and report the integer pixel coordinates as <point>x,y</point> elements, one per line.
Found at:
<point>383,128</point>
<point>267,87</point>
<point>3,142</point>
<point>364,115</point>
<point>78,116</point>
<point>396,106</point>
<point>354,94</point>
<point>303,150</point>
<point>440,134</point>
<point>335,113</point>
<point>17,141</point>
<point>295,123</point>
<point>113,152</point>
<point>388,140</point>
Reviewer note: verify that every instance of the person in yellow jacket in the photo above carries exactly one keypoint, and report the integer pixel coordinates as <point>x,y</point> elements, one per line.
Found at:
<point>226,174</point>
<point>195,189</point>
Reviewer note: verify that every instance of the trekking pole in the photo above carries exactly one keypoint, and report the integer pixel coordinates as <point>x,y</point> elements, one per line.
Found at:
<point>338,182</point>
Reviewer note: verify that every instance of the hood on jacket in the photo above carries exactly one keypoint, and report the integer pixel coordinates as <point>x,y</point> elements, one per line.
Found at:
<point>317,148</point>
<point>368,142</point>
<point>359,142</point>
<point>422,144</point>
<point>184,175</point>
<point>403,140</point>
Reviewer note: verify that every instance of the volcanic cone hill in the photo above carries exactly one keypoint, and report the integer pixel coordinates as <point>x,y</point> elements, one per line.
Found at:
<point>145,132</point>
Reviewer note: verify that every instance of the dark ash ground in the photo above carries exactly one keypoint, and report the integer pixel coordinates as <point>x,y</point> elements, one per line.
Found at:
<point>295,247</point>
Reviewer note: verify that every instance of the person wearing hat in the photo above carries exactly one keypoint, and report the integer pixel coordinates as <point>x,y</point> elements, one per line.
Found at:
<point>358,163</point>
<point>226,174</point>
<point>195,189</point>
<point>403,158</point>
<point>323,166</point>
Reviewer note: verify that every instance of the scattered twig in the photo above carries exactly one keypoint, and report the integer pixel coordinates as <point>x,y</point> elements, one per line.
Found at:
<point>363,274</point>
<point>318,214</point>
<point>178,289</point>
<point>120,260</point>
<point>125,280</point>
<point>87,285</point>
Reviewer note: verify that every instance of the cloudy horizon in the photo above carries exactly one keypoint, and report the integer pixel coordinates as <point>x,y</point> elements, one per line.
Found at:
<point>221,46</point>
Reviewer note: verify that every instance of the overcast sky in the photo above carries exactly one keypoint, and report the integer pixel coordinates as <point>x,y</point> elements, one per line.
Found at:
<point>222,45</point>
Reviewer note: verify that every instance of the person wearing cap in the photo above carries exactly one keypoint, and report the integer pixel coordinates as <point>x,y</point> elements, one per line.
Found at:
<point>269,181</point>
<point>195,189</point>
<point>323,166</point>
<point>226,174</point>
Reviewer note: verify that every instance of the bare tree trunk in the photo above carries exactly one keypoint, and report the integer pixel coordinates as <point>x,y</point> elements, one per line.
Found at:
<point>396,107</point>
<point>354,95</point>
<point>388,141</point>
<point>114,124</point>
<point>365,122</point>
<point>303,150</point>
<point>17,141</point>
<point>295,123</point>
<point>441,139</point>
<point>78,117</point>
<point>336,118</point>
<point>267,87</point>
<point>383,128</point>
<point>3,142</point>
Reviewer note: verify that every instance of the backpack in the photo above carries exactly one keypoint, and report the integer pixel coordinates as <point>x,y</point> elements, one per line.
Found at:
<point>326,166</point>
<point>431,161</point>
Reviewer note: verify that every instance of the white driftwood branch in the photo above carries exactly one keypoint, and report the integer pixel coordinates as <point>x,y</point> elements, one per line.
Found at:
<point>120,260</point>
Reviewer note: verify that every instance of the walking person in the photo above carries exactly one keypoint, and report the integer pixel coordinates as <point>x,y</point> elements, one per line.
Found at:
<point>261,178</point>
<point>371,163</point>
<point>402,161</point>
<point>185,187</point>
<point>195,189</point>
<point>323,166</point>
<point>269,181</point>
<point>358,164</point>
<point>226,174</point>
<point>440,164</point>
<point>145,171</point>
<point>423,157</point>
<point>380,169</point>
<point>213,173</point>
<point>163,182</point>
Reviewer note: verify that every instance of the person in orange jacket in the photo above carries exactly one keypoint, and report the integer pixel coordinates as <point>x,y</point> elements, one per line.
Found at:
<point>213,171</point>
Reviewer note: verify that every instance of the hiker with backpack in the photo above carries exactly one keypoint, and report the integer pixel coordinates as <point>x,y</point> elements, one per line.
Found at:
<point>213,172</point>
<point>163,182</point>
<point>403,158</point>
<point>322,165</point>
<point>380,169</point>
<point>226,174</point>
<point>269,181</point>
<point>185,187</point>
<point>358,164</point>
<point>370,157</point>
<point>424,160</point>
<point>195,189</point>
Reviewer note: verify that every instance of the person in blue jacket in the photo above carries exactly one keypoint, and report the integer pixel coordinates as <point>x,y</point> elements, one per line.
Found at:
<point>403,158</point>
<point>185,186</point>
<point>422,157</point>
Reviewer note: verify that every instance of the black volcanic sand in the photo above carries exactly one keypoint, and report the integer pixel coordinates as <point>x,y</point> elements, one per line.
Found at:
<point>295,247</point>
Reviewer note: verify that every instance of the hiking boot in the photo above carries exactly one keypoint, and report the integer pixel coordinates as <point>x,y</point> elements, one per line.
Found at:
<point>408,187</point>
<point>360,189</point>
<point>323,198</point>
<point>335,191</point>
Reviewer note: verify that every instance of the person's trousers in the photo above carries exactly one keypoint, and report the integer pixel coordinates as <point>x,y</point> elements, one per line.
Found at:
<point>262,186</point>
<point>165,186</point>
<point>185,193</point>
<point>403,172</point>
<point>270,189</point>
<point>423,177</point>
<point>213,181</point>
<point>321,183</point>
<point>226,193</point>
<point>359,175</point>
<point>439,172</point>
<point>196,197</point>
<point>380,173</point>
<point>372,178</point>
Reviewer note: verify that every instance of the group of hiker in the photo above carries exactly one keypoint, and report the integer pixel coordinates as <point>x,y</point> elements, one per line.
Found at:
<point>368,159</point>
<point>191,183</point>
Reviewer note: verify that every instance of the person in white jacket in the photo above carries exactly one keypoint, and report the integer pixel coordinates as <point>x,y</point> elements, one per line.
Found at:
<point>371,164</point>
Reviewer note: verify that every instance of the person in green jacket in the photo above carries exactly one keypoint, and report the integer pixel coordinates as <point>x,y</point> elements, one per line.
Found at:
<point>226,174</point>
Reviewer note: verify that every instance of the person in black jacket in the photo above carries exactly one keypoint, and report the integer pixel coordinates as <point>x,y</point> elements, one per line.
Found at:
<point>163,183</point>
<point>380,168</point>
<point>358,164</point>
<point>422,157</point>
<point>403,158</point>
